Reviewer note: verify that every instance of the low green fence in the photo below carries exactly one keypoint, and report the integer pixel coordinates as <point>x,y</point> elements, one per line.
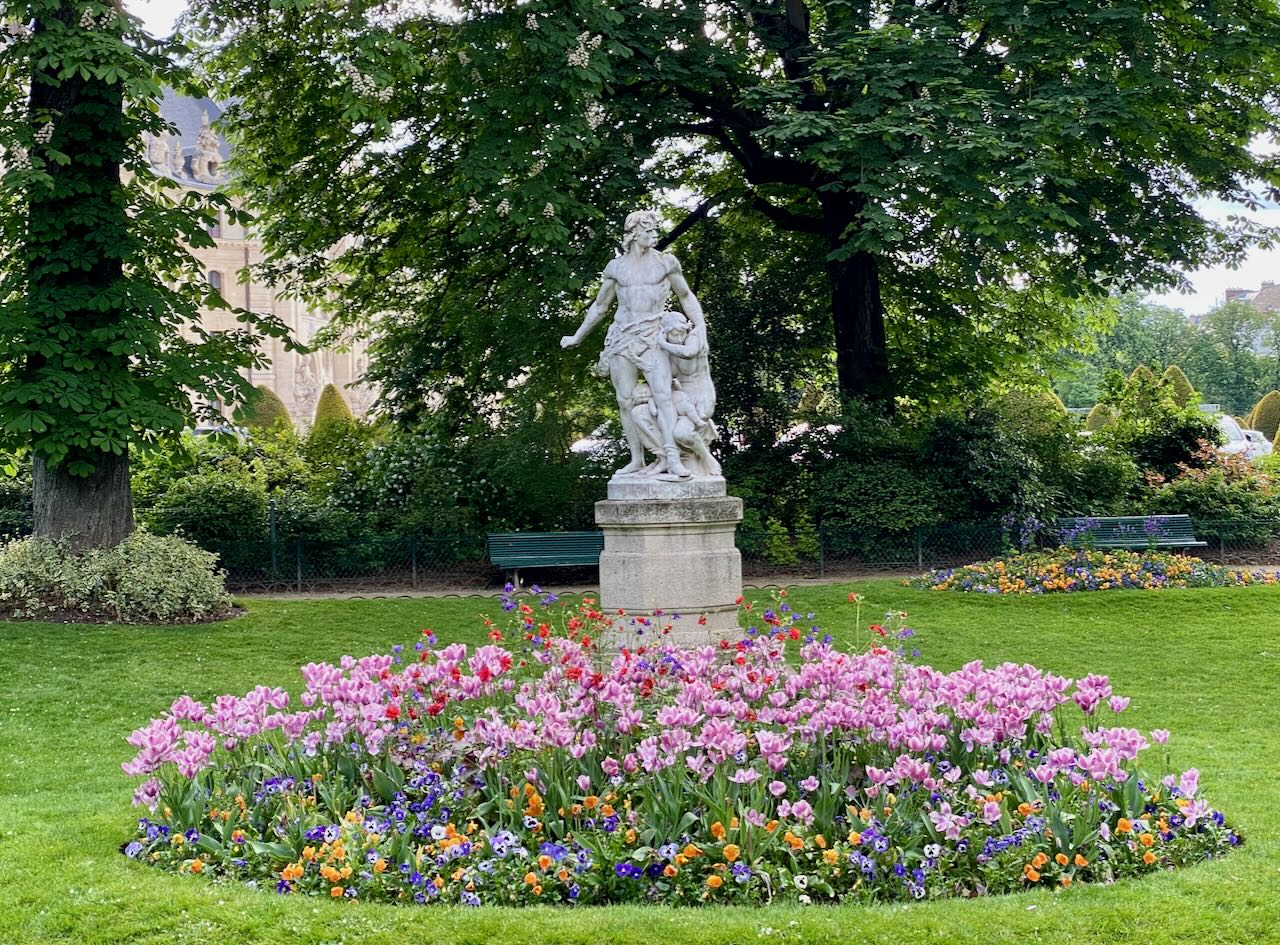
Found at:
<point>444,562</point>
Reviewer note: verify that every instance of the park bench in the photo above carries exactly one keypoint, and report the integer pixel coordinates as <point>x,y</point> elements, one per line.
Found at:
<point>512,551</point>
<point>1130,531</point>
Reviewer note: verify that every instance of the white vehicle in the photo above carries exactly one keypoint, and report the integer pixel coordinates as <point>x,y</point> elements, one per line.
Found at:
<point>1247,443</point>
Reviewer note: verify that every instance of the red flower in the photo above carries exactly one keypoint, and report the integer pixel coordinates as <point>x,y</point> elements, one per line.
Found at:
<point>393,712</point>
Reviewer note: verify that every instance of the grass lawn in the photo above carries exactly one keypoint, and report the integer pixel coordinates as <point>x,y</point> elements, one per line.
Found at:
<point>1203,663</point>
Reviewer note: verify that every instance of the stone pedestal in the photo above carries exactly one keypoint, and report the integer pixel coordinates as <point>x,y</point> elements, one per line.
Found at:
<point>669,547</point>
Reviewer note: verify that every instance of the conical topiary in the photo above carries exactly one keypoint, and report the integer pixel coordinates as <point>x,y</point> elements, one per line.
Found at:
<point>1098,418</point>
<point>1145,373</point>
<point>264,409</point>
<point>1183,392</point>
<point>332,408</point>
<point>1266,416</point>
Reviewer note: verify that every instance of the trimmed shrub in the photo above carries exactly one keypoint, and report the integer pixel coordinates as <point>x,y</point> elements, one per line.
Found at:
<point>1183,393</point>
<point>144,579</point>
<point>210,508</point>
<point>1144,374</point>
<point>1266,415</point>
<point>332,408</point>
<point>1099,417</point>
<point>265,410</point>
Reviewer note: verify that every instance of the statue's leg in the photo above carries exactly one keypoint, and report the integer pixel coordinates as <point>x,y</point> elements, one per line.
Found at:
<point>624,376</point>
<point>658,374</point>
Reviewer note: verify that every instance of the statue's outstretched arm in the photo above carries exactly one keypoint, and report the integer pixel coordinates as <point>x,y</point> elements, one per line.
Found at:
<point>595,314</point>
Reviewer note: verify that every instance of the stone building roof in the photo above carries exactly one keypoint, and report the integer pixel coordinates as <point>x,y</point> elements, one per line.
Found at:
<point>189,116</point>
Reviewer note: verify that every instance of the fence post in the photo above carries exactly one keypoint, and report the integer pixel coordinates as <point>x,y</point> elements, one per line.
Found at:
<point>271,524</point>
<point>298,559</point>
<point>822,551</point>
<point>919,550</point>
<point>413,557</point>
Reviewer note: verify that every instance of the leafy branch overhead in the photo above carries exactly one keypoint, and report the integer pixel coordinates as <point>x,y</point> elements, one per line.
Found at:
<point>968,175</point>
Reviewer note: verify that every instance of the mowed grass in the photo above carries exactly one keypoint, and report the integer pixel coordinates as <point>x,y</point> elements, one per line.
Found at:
<point>1203,663</point>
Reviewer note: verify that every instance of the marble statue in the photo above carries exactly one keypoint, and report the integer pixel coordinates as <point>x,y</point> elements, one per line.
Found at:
<point>656,359</point>
<point>208,156</point>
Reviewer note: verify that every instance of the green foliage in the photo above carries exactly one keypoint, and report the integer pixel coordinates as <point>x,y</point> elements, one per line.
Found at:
<point>1098,417</point>
<point>210,508</point>
<point>98,290</point>
<point>1139,333</point>
<point>1142,375</point>
<point>1183,393</point>
<point>1102,481</point>
<point>144,579</point>
<point>872,481</point>
<point>1231,359</point>
<point>15,502</point>
<point>1220,488</point>
<point>499,147</point>
<point>1151,428</point>
<point>265,409</point>
<point>1266,415</point>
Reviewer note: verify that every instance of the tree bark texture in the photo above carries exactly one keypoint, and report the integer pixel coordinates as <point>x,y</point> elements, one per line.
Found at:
<point>857,311</point>
<point>94,511</point>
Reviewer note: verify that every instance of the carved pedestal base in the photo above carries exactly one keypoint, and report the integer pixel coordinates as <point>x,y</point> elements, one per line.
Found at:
<point>674,555</point>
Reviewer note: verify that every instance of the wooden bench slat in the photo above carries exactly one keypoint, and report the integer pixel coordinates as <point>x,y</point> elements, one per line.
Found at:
<point>514,550</point>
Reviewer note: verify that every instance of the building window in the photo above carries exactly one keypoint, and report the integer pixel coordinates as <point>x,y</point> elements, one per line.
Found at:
<point>215,279</point>
<point>216,229</point>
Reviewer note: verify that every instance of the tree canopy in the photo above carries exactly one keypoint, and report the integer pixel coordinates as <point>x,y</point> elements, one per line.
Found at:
<point>968,174</point>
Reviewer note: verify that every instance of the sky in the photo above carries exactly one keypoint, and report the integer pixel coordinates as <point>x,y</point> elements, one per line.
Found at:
<point>1208,286</point>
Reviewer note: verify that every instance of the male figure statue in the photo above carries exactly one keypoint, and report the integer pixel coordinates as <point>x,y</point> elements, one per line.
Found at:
<point>641,279</point>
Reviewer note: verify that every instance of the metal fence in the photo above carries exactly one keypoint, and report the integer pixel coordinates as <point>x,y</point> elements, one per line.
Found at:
<point>448,562</point>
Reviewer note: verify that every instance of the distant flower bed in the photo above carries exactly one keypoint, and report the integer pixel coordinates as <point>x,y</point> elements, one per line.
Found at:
<point>542,770</point>
<point>1069,569</point>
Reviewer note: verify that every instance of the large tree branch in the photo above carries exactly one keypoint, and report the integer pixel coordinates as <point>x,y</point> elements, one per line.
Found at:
<point>787,219</point>
<point>695,215</point>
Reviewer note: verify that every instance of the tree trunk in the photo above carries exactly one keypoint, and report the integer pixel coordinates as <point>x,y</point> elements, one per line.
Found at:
<point>94,511</point>
<point>857,313</point>
<point>67,221</point>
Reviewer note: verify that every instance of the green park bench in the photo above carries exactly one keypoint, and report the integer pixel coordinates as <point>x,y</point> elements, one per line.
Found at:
<point>512,551</point>
<point>1130,531</point>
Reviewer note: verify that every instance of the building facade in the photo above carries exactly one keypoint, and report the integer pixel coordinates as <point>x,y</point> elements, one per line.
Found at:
<point>194,157</point>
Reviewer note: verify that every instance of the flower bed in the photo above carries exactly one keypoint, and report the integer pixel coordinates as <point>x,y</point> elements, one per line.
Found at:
<point>1070,569</point>
<point>545,771</point>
